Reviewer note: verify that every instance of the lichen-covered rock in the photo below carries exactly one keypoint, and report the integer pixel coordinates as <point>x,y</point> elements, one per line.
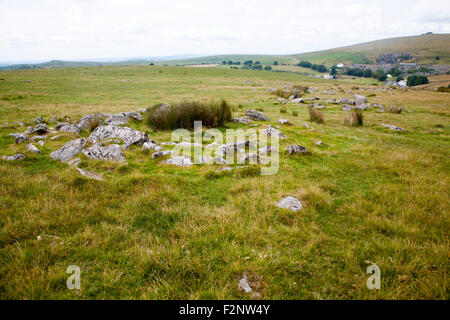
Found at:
<point>69,150</point>
<point>38,119</point>
<point>94,118</point>
<point>272,132</point>
<point>243,120</point>
<point>267,150</point>
<point>41,128</point>
<point>123,117</point>
<point>32,148</point>
<point>126,134</point>
<point>256,115</point>
<point>161,154</point>
<point>90,175</point>
<point>15,157</point>
<point>296,100</point>
<point>112,152</point>
<point>360,99</point>
<point>150,145</point>
<point>19,137</point>
<point>37,138</point>
<point>71,128</point>
<point>392,127</point>
<point>296,149</point>
<point>346,100</point>
<point>290,203</point>
<point>179,161</point>
<point>210,160</point>
<point>283,121</point>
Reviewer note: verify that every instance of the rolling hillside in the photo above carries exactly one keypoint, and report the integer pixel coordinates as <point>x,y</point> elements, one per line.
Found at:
<point>424,48</point>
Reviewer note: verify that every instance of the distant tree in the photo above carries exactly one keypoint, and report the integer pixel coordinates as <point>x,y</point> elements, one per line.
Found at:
<point>438,58</point>
<point>257,67</point>
<point>416,80</point>
<point>230,62</point>
<point>268,68</point>
<point>333,71</point>
<point>151,64</point>
<point>257,62</point>
<point>395,72</point>
<point>304,64</point>
<point>275,63</point>
<point>224,62</point>
<point>248,62</point>
<point>367,73</point>
<point>380,75</point>
<point>399,78</point>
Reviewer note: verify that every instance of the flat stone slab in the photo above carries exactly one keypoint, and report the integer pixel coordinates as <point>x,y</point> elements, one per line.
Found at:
<point>290,203</point>
<point>126,134</point>
<point>15,157</point>
<point>113,152</point>
<point>69,150</point>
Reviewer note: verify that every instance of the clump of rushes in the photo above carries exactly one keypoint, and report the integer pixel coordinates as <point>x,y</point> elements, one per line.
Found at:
<point>354,119</point>
<point>394,109</point>
<point>316,116</point>
<point>183,114</point>
<point>283,110</point>
<point>295,113</point>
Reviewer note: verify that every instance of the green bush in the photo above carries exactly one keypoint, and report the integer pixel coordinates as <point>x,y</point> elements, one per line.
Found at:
<point>183,114</point>
<point>416,80</point>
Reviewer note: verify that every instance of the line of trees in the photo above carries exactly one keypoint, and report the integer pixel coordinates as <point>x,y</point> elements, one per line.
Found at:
<point>317,67</point>
<point>416,80</point>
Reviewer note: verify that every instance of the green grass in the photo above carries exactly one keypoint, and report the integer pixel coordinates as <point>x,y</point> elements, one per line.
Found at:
<point>151,231</point>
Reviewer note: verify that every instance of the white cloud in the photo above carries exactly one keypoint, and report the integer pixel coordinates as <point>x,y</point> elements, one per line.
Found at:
<point>82,29</point>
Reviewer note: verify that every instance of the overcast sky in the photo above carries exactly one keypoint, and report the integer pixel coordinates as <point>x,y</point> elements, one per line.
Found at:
<point>89,29</point>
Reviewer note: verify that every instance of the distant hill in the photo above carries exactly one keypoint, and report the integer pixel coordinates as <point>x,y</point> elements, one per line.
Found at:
<point>423,48</point>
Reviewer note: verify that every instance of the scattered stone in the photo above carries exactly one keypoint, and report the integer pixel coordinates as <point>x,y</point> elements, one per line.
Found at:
<point>296,100</point>
<point>161,154</point>
<point>290,203</point>
<point>123,118</point>
<point>319,143</point>
<point>69,150</point>
<point>59,125</point>
<point>360,99</point>
<point>128,135</point>
<point>15,157</point>
<point>32,148</point>
<point>345,100</point>
<point>307,126</point>
<point>41,128</point>
<point>90,174</point>
<point>41,143</point>
<point>86,122</point>
<point>113,152</point>
<point>283,121</point>
<point>168,143</point>
<point>267,150</point>
<point>37,138</point>
<point>19,137</point>
<point>71,128</point>
<point>392,127</point>
<point>347,107</point>
<point>39,119</point>
<point>243,120</point>
<point>256,115</point>
<point>243,285</point>
<point>55,137</point>
<point>74,162</point>
<point>179,161</point>
<point>272,132</point>
<point>296,149</point>
<point>210,160</point>
<point>225,169</point>
<point>151,146</point>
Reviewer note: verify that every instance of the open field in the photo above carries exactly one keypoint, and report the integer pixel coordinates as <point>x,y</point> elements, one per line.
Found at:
<point>154,231</point>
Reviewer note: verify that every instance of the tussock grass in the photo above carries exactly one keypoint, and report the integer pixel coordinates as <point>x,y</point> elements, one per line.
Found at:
<point>354,118</point>
<point>183,114</point>
<point>316,116</point>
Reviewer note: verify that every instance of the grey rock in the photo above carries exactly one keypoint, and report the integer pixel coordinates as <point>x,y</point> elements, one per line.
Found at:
<point>347,107</point>
<point>69,150</point>
<point>113,152</point>
<point>59,125</point>
<point>296,149</point>
<point>39,119</point>
<point>179,161</point>
<point>244,286</point>
<point>151,146</point>
<point>74,162</point>
<point>37,138</point>
<point>126,134</point>
<point>86,122</point>
<point>71,128</point>
<point>41,143</point>
<point>283,121</point>
<point>296,100</point>
<point>392,127</point>
<point>19,137</point>
<point>345,100</point>
<point>272,132</point>
<point>244,120</point>
<point>161,154</point>
<point>307,126</point>
<point>15,157</point>
<point>290,203</point>
<point>256,115</point>
<point>41,128</point>
<point>267,150</point>
<point>32,148</point>
<point>210,160</point>
<point>90,174</point>
<point>360,99</point>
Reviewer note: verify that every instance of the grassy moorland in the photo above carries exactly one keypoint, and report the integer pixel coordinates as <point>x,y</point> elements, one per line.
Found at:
<point>154,231</point>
